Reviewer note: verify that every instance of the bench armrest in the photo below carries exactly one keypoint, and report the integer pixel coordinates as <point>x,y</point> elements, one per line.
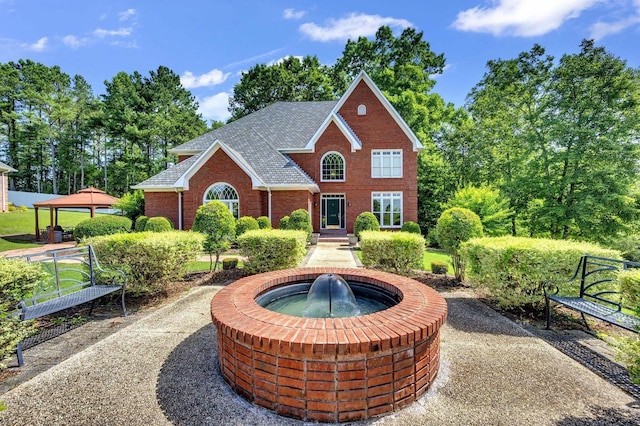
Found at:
<point>550,288</point>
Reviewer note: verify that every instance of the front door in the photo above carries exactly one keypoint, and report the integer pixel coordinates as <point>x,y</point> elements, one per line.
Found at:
<point>332,212</point>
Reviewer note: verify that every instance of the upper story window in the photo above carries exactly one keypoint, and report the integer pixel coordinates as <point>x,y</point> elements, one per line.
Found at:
<point>362,110</point>
<point>227,194</point>
<point>332,167</point>
<point>386,164</point>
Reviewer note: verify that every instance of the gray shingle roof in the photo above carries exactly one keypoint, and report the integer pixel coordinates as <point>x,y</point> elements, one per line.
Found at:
<point>256,142</point>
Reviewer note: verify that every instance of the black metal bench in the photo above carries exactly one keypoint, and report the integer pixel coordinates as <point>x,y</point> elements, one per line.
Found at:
<point>598,296</point>
<point>75,278</point>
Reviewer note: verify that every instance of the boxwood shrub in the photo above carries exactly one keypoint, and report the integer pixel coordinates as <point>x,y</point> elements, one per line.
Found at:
<point>101,225</point>
<point>439,267</point>
<point>246,223</point>
<point>412,227</point>
<point>140,223</point>
<point>158,224</point>
<point>151,260</point>
<point>365,221</point>
<point>17,280</point>
<point>264,222</point>
<point>399,252</point>
<point>513,269</point>
<point>272,249</point>
<point>300,220</point>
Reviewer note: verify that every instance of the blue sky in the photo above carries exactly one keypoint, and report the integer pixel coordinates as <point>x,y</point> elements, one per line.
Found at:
<point>210,43</point>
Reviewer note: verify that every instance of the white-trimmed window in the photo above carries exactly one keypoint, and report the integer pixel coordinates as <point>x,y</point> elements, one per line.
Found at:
<point>332,167</point>
<point>387,207</point>
<point>386,163</point>
<point>225,193</point>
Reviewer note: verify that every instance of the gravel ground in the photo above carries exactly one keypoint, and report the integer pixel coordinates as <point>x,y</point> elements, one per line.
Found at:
<point>161,369</point>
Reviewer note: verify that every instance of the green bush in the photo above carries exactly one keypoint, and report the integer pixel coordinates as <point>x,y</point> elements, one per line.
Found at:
<point>366,221</point>
<point>439,267</point>
<point>141,222</point>
<point>215,221</point>
<point>411,227</point>
<point>101,225</point>
<point>513,269</point>
<point>399,252</point>
<point>131,204</point>
<point>158,224</point>
<point>629,347</point>
<point>489,204</point>
<point>246,223</point>
<point>629,281</point>
<point>151,260</point>
<point>300,220</point>
<point>17,280</point>
<point>264,222</point>
<point>284,223</point>
<point>455,226</point>
<point>229,263</point>
<point>270,250</point>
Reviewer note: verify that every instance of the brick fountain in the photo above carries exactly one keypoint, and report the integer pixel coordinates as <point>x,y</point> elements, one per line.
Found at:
<point>329,369</point>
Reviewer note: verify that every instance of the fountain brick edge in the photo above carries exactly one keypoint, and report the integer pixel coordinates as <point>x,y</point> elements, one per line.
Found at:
<point>329,369</point>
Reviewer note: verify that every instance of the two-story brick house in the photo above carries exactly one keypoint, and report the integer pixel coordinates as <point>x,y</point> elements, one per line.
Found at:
<point>335,159</point>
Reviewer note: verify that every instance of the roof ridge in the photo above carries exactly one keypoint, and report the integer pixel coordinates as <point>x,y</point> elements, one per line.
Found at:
<point>355,135</point>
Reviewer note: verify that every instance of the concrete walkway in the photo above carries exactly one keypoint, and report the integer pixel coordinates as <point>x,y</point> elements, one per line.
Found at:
<point>339,255</point>
<point>162,369</point>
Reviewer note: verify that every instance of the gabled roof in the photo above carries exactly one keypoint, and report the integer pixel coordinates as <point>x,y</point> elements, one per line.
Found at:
<point>259,143</point>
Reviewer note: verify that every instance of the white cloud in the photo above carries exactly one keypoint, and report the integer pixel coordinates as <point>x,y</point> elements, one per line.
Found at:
<point>293,14</point>
<point>525,18</point>
<point>120,32</point>
<point>126,15</point>
<point>212,78</point>
<point>602,29</point>
<point>40,45</point>
<point>215,107</point>
<point>73,41</point>
<point>351,27</point>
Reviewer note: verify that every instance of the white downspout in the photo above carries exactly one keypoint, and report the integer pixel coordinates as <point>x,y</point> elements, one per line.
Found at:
<point>269,203</point>
<point>3,207</point>
<point>180,210</point>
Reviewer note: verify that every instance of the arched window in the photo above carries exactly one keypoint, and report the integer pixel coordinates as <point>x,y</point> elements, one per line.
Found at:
<point>362,110</point>
<point>227,194</point>
<point>332,167</point>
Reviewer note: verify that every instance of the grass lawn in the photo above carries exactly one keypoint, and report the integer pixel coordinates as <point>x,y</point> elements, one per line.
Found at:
<point>17,229</point>
<point>429,255</point>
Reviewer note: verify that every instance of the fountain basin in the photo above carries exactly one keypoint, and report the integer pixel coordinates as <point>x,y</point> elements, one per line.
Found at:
<point>329,369</point>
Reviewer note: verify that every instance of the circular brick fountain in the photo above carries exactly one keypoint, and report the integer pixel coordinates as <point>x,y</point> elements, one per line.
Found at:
<point>329,369</point>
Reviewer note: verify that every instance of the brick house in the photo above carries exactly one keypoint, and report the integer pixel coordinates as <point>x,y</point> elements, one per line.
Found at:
<point>335,159</point>
<point>4,186</point>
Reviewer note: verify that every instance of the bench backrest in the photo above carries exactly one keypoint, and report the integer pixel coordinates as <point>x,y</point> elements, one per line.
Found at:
<point>598,278</point>
<point>69,269</point>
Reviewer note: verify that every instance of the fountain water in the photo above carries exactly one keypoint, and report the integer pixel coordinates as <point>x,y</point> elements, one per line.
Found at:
<point>330,296</point>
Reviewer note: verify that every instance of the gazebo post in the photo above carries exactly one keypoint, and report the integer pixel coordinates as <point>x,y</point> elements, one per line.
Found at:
<point>56,216</point>
<point>93,211</point>
<point>37,225</point>
<point>51,236</point>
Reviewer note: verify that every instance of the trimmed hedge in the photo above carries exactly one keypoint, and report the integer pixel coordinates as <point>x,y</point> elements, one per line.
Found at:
<point>513,269</point>
<point>151,260</point>
<point>284,223</point>
<point>399,252</point>
<point>158,224</point>
<point>246,223</point>
<point>300,220</point>
<point>17,280</point>
<point>365,221</point>
<point>411,227</point>
<point>140,223</point>
<point>273,249</point>
<point>439,267</point>
<point>264,222</point>
<point>101,225</point>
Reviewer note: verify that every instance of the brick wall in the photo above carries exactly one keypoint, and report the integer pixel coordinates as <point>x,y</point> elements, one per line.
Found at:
<point>376,130</point>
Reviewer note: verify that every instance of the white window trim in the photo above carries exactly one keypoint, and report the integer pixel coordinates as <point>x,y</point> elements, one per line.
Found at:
<point>390,154</point>
<point>227,202</point>
<point>392,195</point>
<point>344,168</point>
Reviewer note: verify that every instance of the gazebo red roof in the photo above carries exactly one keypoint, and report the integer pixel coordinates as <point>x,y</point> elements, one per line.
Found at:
<point>87,198</point>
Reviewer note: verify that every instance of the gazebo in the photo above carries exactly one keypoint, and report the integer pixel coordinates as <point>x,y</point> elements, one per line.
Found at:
<point>89,198</point>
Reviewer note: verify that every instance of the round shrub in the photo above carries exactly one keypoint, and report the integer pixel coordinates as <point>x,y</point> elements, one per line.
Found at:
<point>141,222</point>
<point>246,223</point>
<point>215,221</point>
<point>300,220</point>
<point>229,263</point>
<point>158,224</point>
<point>439,267</point>
<point>264,222</point>
<point>101,225</point>
<point>411,227</point>
<point>284,223</point>
<point>366,221</point>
